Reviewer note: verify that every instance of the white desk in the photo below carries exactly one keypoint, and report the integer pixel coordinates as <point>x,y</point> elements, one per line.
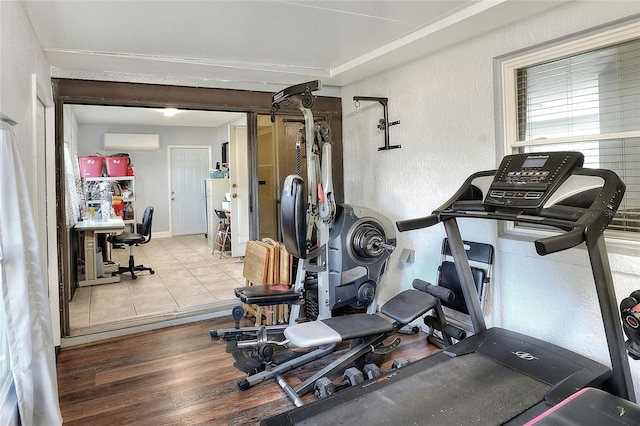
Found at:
<point>91,228</point>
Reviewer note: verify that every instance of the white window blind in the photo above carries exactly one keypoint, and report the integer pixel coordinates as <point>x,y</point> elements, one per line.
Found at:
<point>590,102</point>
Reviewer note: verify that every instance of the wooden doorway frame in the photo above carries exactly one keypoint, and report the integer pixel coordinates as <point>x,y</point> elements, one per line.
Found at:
<point>91,92</point>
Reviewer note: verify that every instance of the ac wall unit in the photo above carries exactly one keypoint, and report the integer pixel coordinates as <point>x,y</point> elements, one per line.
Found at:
<point>131,142</point>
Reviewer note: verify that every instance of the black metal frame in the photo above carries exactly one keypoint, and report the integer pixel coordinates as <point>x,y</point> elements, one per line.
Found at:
<point>582,226</point>
<point>570,371</point>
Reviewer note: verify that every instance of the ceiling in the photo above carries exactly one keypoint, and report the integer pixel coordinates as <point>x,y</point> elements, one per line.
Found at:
<point>256,45</point>
<point>98,114</point>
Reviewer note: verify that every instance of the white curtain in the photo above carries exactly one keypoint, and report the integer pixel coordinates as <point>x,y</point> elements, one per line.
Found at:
<point>24,294</point>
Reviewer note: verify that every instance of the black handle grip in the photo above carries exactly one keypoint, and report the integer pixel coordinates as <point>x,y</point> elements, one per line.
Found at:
<point>441,293</point>
<point>418,223</point>
<point>560,242</point>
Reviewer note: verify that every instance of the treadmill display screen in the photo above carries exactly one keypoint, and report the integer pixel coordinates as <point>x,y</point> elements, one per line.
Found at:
<point>534,162</point>
<point>526,181</point>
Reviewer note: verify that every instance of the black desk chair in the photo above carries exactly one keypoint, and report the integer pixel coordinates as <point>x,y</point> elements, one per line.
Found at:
<point>142,236</point>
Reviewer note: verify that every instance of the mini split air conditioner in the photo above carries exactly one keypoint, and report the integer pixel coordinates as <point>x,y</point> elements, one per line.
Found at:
<point>131,142</point>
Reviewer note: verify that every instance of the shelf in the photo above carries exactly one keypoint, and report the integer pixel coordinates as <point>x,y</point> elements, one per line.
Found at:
<point>102,179</point>
<point>127,185</point>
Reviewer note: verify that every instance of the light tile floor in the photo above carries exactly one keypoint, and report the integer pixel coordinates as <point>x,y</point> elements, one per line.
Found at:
<point>186,275</point>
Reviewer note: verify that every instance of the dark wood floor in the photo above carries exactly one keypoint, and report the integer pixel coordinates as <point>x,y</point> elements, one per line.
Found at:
<point>175,376</point>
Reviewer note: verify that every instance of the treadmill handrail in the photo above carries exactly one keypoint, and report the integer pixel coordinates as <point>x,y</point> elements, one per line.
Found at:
<point>590,222</point>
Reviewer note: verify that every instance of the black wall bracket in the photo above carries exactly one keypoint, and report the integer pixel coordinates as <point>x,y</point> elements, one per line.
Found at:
<point>384,122</point>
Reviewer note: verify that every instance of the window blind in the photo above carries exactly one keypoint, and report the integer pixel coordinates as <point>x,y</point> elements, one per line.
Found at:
<point>588,102</point>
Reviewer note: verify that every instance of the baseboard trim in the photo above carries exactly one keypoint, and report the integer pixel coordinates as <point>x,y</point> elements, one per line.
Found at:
<point>107,330</point>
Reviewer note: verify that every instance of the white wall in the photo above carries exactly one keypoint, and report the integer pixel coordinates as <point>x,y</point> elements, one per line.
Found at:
<point>20,58</point>
<point>152,172</point>
<point>445,104</point>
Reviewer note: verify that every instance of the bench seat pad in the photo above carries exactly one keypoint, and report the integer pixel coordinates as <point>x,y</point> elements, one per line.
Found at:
<point>409,305</point>
<point>338,329</point>
<point>265,295</point>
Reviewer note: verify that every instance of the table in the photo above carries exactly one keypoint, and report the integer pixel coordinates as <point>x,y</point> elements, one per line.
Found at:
<point>92,228</point>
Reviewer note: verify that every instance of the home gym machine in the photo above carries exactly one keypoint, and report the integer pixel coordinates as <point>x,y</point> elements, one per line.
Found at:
<point>498,376</point>
<point>342,249</point>
<point>342,252</point>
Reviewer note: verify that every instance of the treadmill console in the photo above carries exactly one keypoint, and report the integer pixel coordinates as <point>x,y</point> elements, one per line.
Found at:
<point>526,181</point>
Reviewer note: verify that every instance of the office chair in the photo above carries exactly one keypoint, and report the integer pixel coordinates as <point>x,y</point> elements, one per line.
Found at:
<point>223,234</point>
<point>142,236</point>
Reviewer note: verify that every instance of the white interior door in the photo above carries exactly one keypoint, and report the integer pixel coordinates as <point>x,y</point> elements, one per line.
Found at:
<point>189,169</point>
<point>239,181</point>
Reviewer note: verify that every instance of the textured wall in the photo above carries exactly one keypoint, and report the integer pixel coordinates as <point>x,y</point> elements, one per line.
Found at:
<point>446,107</point>
<point>21,57</point>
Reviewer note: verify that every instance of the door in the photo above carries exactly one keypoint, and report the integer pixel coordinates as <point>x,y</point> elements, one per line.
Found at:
<point>267,180</point>
<point>280,152</point>
<point>189,169</point>
<point>239,181</point>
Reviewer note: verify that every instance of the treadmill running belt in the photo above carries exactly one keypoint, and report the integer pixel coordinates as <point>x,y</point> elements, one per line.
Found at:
<point>466,390</point>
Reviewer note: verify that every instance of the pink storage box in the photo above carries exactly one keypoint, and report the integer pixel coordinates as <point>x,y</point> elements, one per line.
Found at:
<point>117,166</point>
<point>90,166</point>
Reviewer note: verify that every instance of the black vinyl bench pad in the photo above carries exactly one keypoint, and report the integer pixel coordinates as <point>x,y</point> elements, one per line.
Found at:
<point>408,305</point>
<point>404,308</point>
<point>265,295</point>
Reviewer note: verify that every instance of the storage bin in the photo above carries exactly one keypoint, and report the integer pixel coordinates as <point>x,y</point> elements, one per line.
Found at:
<point>218,174</point>
<point>90,166</point>
<point>117,166</point>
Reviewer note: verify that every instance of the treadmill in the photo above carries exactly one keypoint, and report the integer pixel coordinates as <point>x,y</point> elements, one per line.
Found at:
<point>497,376</point>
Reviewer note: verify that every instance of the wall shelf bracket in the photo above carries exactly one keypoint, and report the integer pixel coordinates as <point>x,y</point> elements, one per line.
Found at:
<point>383,124</point>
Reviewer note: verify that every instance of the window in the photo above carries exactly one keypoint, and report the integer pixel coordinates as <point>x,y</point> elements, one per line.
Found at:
<point>582,95</point>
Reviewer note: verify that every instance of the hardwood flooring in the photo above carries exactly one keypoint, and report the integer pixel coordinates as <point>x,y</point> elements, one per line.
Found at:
<point>176,376</point>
